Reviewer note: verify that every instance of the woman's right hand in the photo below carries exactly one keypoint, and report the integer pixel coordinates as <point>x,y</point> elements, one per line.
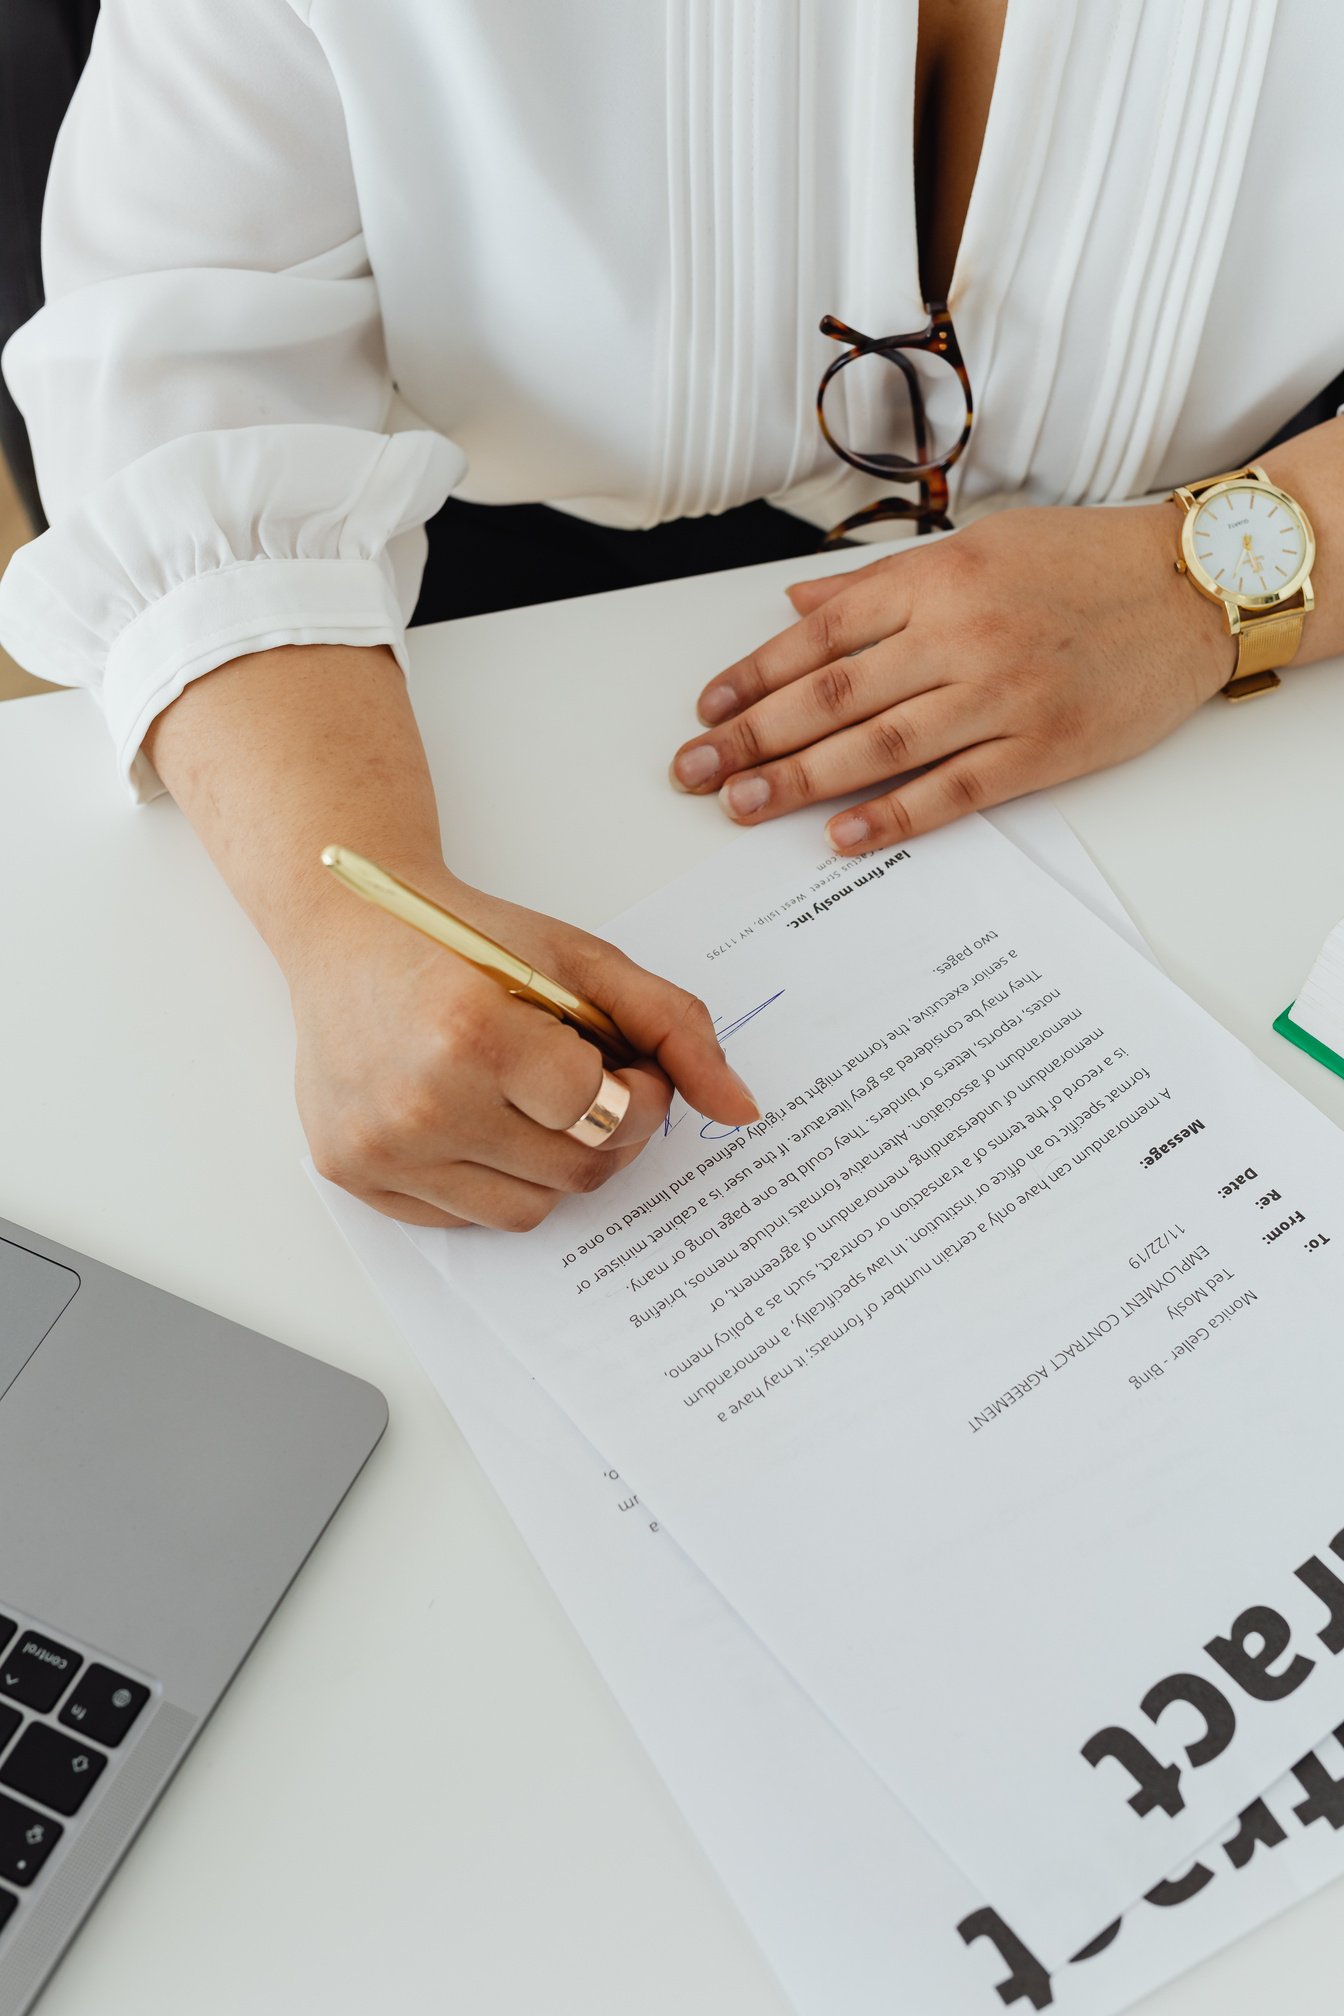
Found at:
<point>423,1087</point>
<point>430,1093</point>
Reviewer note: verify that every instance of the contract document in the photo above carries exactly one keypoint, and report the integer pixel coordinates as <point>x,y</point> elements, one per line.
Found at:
<point>991,1378</point>
<point>855,1908</point>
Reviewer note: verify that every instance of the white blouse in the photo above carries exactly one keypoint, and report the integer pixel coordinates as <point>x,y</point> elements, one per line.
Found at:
<point>313,264</point>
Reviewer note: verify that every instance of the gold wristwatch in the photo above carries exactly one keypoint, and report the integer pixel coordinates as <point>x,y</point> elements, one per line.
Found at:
<point>1249,545</point>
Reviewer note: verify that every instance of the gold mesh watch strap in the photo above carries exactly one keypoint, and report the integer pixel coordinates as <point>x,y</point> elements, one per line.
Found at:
<point>1267,640</point>
<point>1263,644</point>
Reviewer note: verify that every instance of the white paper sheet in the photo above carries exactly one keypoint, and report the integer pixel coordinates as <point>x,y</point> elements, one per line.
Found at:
<point>852,1904</point>
<point>1060,1478</point>
<point>857,1911</point>
<point>1048,841</point>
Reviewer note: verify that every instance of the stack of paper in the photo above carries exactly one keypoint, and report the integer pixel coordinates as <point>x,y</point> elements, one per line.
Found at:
<point>964,1431</point>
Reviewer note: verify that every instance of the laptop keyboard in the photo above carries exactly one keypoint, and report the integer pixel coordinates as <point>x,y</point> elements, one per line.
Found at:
<point>63,1717</point>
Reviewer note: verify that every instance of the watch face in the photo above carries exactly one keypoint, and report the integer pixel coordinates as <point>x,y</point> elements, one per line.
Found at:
<point>1251,543</point>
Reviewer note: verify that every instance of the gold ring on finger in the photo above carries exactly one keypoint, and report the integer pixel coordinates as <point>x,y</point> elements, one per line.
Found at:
<point>596,1127</point>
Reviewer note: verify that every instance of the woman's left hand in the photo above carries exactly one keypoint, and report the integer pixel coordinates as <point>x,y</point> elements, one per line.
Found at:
<point>1033,646</point>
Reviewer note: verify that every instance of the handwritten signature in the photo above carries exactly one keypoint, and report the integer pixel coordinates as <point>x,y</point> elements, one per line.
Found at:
<point>711,1130</point>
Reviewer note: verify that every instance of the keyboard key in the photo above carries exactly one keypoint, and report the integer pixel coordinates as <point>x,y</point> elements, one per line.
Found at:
<point>26,1840</point>
<point>37,1672</point>
<point>7,1629</point>
<point>9,1904</point>
<point>104,1705</point>
<point>48,1767</point>
<point>10,1719</point>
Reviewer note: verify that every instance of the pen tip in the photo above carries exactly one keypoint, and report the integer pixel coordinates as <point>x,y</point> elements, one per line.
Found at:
<point>330,856</point>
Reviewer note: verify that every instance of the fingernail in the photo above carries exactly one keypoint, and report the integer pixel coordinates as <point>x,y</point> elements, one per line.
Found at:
<point>743,795</point>
<point>696,766</point>
<point>746,1092</point>
<point>848,830</point>
<point>717,704</point>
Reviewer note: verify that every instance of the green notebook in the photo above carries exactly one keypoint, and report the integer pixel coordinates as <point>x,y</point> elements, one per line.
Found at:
<point>1312,1045</point>
<point>1315,1021</point>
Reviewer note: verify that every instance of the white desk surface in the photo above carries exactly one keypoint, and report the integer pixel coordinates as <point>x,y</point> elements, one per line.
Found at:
<point>418,1793</point>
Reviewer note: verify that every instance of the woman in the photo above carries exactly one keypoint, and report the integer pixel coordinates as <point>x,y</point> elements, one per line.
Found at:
<point>313,264</point>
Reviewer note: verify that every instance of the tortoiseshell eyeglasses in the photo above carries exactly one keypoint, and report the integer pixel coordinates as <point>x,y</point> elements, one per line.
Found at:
<point>886,395</point>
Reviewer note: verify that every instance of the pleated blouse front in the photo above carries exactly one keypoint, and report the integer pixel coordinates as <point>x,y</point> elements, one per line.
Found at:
<point>313,266</point>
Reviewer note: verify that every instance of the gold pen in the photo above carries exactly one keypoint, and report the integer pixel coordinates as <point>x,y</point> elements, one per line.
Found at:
<point>375,885</point>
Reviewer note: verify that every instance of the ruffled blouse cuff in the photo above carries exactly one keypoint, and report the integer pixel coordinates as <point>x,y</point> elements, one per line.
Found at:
<point>217,545</point>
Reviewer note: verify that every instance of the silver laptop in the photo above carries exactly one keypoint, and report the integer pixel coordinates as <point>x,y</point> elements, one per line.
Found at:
<point>163,1475</point>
